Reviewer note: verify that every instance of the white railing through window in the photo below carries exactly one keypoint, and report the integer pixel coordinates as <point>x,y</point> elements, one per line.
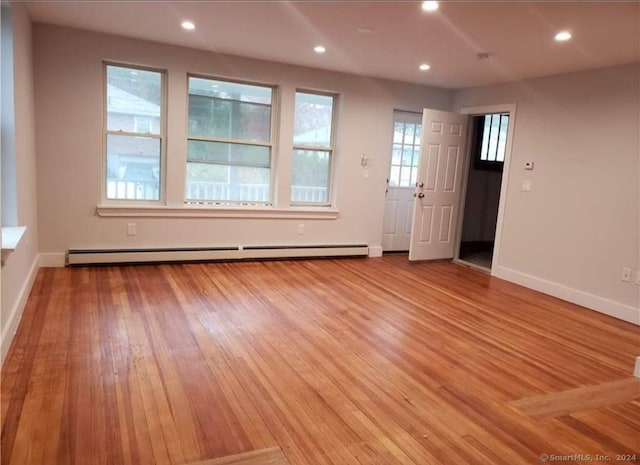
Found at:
<point>196,190</point>
<point>133,190</point>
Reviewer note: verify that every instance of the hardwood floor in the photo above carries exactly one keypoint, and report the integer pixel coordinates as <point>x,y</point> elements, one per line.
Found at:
<point>353,361</point>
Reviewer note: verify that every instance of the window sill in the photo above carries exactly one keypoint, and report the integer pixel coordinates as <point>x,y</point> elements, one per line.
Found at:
<point>187,211</point>
<point>10,239</point>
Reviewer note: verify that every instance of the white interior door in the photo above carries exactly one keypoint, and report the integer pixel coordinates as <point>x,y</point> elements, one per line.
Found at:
<point>403,173</point>
<point>437,193</point>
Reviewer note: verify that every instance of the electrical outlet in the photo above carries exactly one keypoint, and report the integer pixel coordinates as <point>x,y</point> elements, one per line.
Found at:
<point>626,275</point>
<point>526,185</point>
<point>638,277</point>
<point>131,229</point>
<point>300,229</point>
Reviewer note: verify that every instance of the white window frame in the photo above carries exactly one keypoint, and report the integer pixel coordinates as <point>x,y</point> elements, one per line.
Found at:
<point>331,149</point>
<point>273,130</point>
<point>161,136</point>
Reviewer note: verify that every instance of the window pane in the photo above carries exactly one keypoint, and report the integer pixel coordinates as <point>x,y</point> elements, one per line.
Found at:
<point>485,137</point>
<point>396,157</point>
<point>416,156</point>
<point>225,153</point>
<point>222,183</point>
<point>218,118</point>
<point>414,176</point>
<point>502,142</point>
<point>418,137</point>
<point>310,172</point>
<point>133,167</point>
<point>405,176</point>
<point>312,120</point>
<point>133,94</point>
<point>409,130</point>
<point>230,90</point>
<point>407,155</point>
<point>493,137</point>
<point>398,132</point>
<point>394,177</point>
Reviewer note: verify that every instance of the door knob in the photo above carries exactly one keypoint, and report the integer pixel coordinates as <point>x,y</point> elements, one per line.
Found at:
<point>420,185</point>
<point>420,195</point>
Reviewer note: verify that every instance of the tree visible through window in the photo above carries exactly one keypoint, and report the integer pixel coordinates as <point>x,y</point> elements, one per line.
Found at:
<point>229,142</point>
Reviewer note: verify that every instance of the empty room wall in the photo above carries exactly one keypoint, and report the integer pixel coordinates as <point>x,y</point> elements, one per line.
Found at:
<point>69,99</point>
<point>21,267</point>
<point>580,225</point>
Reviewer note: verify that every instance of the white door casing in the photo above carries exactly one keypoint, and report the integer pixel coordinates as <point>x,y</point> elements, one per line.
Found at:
<point>438,193</point>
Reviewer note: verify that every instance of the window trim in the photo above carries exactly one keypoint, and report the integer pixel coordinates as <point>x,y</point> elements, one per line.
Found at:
<point>331,149</point>
<point>275,91</point>
<point>162,136</point>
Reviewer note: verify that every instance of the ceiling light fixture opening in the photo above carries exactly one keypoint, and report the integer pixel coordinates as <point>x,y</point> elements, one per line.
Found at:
<point>430,6</point>
<point>424,67</point>
<point>319,49</point>
<point>188,25</point>
<point>563,36</point>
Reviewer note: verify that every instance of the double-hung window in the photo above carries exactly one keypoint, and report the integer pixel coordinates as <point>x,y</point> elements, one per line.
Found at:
<point>134,132</point>
<point>311,164</point>
<point>229,143</point>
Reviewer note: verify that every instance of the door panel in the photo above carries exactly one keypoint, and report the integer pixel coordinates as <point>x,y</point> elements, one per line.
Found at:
<point>398,210</point>
<point>438,192</point>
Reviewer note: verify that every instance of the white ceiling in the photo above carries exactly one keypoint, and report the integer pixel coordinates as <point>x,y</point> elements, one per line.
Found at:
<point>519,35</point>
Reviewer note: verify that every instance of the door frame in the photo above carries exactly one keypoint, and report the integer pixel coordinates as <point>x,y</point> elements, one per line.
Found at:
<point>506,168</point>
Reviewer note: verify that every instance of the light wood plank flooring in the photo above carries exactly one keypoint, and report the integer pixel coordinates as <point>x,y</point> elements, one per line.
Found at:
<point>353,361</point>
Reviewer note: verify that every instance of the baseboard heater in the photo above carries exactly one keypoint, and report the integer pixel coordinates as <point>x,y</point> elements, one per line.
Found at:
<point>117,256</point>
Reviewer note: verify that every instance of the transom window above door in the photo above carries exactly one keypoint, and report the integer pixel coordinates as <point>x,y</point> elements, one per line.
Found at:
<point>405,153</point>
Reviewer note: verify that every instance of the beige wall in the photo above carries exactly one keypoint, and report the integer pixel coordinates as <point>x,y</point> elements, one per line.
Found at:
<point>580,224</point>
<point>69,119</point>
<point>22,264</point>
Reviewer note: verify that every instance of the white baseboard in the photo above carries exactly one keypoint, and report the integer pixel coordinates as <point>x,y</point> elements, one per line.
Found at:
<point>636,370</point>
<point>16,312</point>
<point>52,260</point>
<point>591,301</point>
<point>375,251</point>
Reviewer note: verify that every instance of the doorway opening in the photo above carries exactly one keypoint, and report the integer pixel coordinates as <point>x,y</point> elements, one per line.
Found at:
<point>488,144</point>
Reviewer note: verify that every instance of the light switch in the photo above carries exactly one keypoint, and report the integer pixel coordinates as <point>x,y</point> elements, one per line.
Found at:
<point>528,165</point>
<point>526,185</point>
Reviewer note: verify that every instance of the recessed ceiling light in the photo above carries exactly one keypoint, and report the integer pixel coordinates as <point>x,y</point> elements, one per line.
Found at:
<point>424,67</point>
<point>563,36</point>
<point>319,49</point>
<point>430,6</point>
<point>188,25</point>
